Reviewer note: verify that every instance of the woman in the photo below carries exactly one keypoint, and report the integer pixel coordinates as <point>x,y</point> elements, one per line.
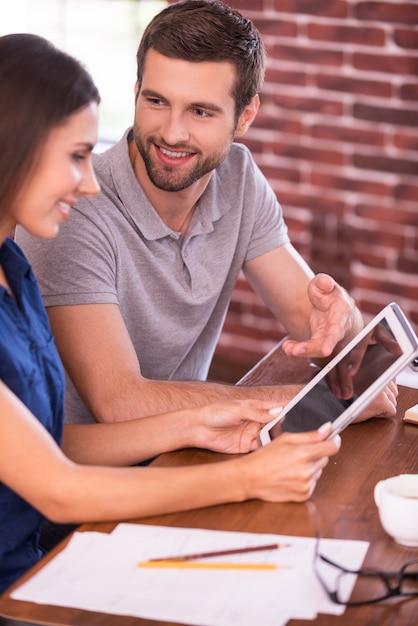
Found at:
<point>48,127</point>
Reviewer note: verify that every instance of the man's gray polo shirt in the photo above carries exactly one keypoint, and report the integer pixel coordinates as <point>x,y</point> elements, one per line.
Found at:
<point>173,293</point>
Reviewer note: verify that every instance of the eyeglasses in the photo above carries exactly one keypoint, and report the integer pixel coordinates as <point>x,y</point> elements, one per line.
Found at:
<point>370,586</point>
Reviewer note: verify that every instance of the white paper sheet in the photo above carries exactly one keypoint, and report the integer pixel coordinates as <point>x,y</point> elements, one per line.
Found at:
<point>99,572</point>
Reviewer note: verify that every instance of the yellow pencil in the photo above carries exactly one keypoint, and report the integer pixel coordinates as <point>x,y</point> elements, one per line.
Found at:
<point>195,565</point>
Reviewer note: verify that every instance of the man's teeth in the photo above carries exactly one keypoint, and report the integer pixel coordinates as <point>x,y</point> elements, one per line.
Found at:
<point>174,155</point>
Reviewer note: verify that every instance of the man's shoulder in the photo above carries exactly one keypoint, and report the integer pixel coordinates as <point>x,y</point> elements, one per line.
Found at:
<point>241,152</point>
<point>239,169</point>
<point>110,161</point>
<point>238,161</point>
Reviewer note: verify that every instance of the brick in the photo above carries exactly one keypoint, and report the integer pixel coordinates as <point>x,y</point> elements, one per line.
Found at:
<point>242,308</point>
<point>370,304</point>
<point>231,350</point>
<point>309,104</point>
<point>369,256</point>
<point>348,134</point>
<point>330,253</point>
<point>255,330</point>
<point>405,140</point>
<point>310,56</point>
<point>280,77</point>
<point>341,33</point>
<point>378,237</point>
<point>390,215</point>
<point>413,317</point>
<point>388,115</point>
<point>346,183</point>
<point>388,63</point>
<point>276,27</point>
<point>337,138</point>
<point>386,164</point>
<point>409,91</point>
<point>243,6</point>
<point>393,12</point>
<point>348,84</point>
<point>298,151</point>
<point>407,265</point>
<point>406,38</point>
<point>406,191</point>
<point>281,123</point>
<point>324,8</point>
<point>385,285</point>
<point>313,203</point>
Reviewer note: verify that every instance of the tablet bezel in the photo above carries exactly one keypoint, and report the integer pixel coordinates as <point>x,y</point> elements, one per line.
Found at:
<point>407,340</point>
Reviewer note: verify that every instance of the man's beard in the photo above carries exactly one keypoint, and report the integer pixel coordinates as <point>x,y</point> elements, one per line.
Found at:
<point>168,178</point>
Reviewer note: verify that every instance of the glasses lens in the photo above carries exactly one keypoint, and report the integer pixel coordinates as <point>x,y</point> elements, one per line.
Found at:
<point>409,583</point>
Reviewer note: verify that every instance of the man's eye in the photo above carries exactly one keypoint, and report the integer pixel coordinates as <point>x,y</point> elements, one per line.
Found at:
<point>201,113</point>
<point>155,101</point>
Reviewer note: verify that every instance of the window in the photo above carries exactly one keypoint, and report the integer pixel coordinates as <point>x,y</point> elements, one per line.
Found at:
<point>102,34</point>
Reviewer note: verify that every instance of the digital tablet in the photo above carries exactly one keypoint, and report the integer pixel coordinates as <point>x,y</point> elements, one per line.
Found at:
<point>391,345</point>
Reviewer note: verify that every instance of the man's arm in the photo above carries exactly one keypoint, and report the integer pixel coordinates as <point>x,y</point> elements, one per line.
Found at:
<point>99,357</point>
<point>316,312</point>
<point>281,278</point>
<point>32,465</point>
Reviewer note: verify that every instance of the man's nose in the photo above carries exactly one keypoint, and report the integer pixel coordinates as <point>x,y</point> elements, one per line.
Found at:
<point>175,130</point>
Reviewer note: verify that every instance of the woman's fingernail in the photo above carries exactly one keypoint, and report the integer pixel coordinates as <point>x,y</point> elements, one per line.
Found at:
<point>324,427</point>
<point>276,410</point>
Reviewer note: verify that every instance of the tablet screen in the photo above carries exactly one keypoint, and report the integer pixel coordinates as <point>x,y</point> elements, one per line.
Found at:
<point>320,405</point>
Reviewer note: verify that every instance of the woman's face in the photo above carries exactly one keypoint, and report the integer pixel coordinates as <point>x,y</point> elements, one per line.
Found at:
<point>63,174</point>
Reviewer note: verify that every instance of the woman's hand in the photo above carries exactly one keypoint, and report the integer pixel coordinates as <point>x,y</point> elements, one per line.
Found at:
<point>288,468</point>
<point>230,427</point>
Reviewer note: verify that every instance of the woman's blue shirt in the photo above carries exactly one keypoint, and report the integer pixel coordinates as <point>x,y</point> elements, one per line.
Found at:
<point>31,368</point>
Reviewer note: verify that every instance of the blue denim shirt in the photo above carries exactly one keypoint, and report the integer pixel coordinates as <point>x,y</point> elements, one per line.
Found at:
<point>31,368</point>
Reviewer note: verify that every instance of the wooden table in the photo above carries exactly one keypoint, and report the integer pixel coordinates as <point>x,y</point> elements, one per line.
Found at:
<point>342,507</point>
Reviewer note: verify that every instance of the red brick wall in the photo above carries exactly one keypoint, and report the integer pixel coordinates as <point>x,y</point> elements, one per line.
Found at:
<point>337,137</point>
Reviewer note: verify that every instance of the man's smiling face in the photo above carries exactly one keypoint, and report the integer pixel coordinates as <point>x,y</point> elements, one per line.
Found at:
<point>184,119</point>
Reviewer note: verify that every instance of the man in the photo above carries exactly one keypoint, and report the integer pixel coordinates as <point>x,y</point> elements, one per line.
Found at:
<point>138,282</point>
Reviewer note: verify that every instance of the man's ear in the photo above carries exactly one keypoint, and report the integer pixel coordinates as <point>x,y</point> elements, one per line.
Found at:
<point>247,116</point>
<point>136,90</point>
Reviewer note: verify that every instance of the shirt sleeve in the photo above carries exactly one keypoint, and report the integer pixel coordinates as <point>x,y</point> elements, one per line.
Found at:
<point>77,266</point>
<point>263,225</point>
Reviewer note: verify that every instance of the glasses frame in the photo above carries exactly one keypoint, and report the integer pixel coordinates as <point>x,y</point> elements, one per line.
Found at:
<point>388,578</point>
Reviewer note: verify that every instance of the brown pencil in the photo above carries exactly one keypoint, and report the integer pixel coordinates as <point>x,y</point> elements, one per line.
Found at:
<point>206,555</point>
